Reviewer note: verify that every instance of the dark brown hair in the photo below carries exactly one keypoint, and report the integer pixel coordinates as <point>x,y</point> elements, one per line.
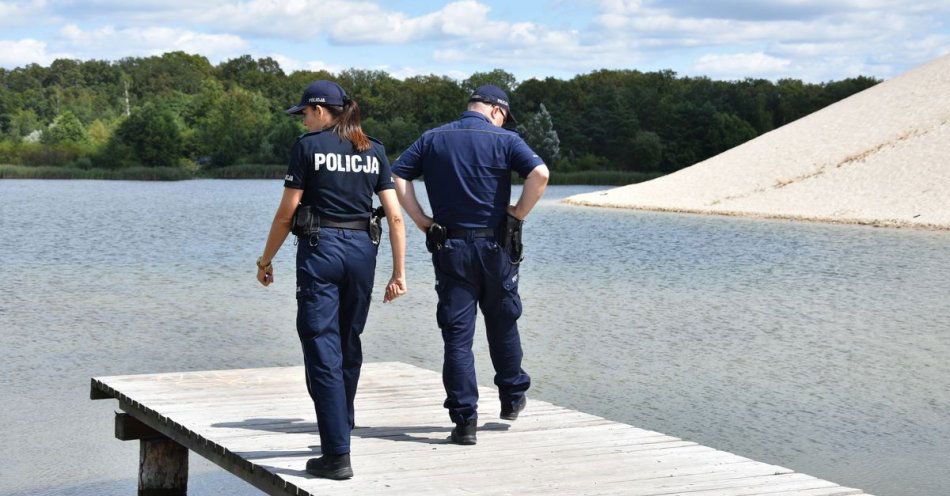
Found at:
<point>348,124</point>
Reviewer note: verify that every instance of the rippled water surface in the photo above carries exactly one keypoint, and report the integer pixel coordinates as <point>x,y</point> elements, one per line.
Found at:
<point>818,347</point>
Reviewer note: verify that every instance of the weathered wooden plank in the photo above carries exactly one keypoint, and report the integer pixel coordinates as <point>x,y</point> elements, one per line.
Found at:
<point>746,477</point>
<point>432,418</point>
<point>737,487</point>
<point>260,425</point>
<point>408,445</point>
<point>561,482</point>
<point>830,491</point>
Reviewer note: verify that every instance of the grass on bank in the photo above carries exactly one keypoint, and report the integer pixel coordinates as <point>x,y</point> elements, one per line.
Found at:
<point>131,173</point>
<point>266,171</point>
<point>244,171</point>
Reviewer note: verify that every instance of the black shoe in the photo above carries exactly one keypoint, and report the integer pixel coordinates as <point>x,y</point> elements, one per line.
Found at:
<point>511,412</point>
<point>464,432</point>
<point>336,467</point>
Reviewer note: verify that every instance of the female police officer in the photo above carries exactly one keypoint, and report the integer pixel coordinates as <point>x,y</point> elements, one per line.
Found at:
<point>334,170</point>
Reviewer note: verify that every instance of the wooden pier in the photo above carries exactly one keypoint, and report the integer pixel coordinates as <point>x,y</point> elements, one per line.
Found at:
<point>260,425</point>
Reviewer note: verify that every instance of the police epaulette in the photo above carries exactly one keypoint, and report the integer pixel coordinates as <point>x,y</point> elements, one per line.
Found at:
<point>374,139</point>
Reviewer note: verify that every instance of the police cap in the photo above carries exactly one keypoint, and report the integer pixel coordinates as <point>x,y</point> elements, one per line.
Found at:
<point>493,95</point>
<point>321,92</point>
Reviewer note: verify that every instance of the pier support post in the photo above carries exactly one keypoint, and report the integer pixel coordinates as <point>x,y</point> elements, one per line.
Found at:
<point>163,468</point>
<point>163,463</point>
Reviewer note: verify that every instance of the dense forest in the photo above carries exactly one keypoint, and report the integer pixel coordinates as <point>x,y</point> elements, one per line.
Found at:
<point>179,112</point>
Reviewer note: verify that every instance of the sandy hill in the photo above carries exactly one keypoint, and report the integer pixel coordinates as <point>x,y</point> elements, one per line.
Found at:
<point>881,156</point>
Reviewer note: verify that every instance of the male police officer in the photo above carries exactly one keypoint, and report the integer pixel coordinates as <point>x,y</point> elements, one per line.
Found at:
<point>467,168</point>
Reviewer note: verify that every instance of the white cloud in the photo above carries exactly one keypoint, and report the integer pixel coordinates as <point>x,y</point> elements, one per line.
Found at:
<point>290,64</point>
<point>770,42</point>
<point>805,39</point>
<point>799,38</point>
<point>16,53</point>
<point>739,65</point>
<point>359,22</point>
<point>290,19</point>
<point>13,13</point>
<point>403,72</point>
<point>109,42</point>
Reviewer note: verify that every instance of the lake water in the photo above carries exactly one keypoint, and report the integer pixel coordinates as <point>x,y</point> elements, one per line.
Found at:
<point>818,347</point>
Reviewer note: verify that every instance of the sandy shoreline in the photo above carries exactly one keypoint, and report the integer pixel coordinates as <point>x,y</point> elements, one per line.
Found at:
<point>880,158</point>
<point>885,223</point>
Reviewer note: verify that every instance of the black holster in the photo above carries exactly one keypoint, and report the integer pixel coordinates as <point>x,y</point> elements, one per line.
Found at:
<point>306,223</point>
<point>435,237</point>
<point>376,225</point>
<point>510,238</point>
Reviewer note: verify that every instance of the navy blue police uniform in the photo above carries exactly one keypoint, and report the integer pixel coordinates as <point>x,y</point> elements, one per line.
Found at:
<point>335,268</point>
<point>467,166</point>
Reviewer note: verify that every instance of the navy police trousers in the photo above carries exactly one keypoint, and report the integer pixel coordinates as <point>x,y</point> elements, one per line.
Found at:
<point>334,282</point>
<point>477,271</point>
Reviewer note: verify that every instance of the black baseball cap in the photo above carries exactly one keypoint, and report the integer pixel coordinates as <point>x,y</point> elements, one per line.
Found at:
<point>491,94</point>
<point>321,92</point>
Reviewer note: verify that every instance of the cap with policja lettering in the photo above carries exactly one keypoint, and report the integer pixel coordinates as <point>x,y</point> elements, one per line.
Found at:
<point>321,92</point>
<point>491,94</point>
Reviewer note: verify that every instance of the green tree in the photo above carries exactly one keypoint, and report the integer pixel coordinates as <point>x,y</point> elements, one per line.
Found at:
<point>396,134</point>
<point>280,138</point>
<point>498,77</point>
<point>23,122</point>
<point>432,100</point>
<point>169,72</point>
<point>371,89</point>
<point>729,130</point>
<point>151,136</point>
<point>646,152</point>
<point>231,112</point>
<point>66,128</point>
<point>233,127</point>
<point>99,132</point>
<point>263,75</point>
<point>538,132</point>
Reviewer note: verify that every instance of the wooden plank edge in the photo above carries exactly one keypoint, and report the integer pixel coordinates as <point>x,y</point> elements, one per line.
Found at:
<point>268,482</point>
<point>257,476</point>
<point>99,391</point>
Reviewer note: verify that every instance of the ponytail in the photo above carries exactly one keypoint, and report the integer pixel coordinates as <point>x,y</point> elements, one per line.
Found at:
<point>348,124</point>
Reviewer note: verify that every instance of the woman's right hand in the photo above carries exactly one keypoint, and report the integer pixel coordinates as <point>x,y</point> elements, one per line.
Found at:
<point>395,288</point>
<point>265,272</point>
<point>265,278</point>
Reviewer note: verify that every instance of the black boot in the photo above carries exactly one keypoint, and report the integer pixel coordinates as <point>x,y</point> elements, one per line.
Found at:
<point>510,412</point>
<point>336,467</point>
<point>464,432</point>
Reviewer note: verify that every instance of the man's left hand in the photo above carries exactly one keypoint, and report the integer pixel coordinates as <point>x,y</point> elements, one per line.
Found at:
<point>513,211</point>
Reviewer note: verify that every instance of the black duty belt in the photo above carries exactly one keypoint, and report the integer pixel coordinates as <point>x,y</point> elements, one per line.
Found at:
<point>356,225</point>
<point>481,232</point>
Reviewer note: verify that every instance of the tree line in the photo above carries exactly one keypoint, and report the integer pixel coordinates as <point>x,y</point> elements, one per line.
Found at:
<point>179,110</point>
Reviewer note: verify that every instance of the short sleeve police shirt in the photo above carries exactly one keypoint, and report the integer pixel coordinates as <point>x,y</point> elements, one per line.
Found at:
<point>467,168</point>
<point>335,177</point>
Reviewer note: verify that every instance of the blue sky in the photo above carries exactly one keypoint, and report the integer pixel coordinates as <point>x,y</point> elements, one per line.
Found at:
<point>814,40</point>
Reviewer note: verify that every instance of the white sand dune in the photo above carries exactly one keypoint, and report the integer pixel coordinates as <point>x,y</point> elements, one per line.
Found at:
<point>879,157</point>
